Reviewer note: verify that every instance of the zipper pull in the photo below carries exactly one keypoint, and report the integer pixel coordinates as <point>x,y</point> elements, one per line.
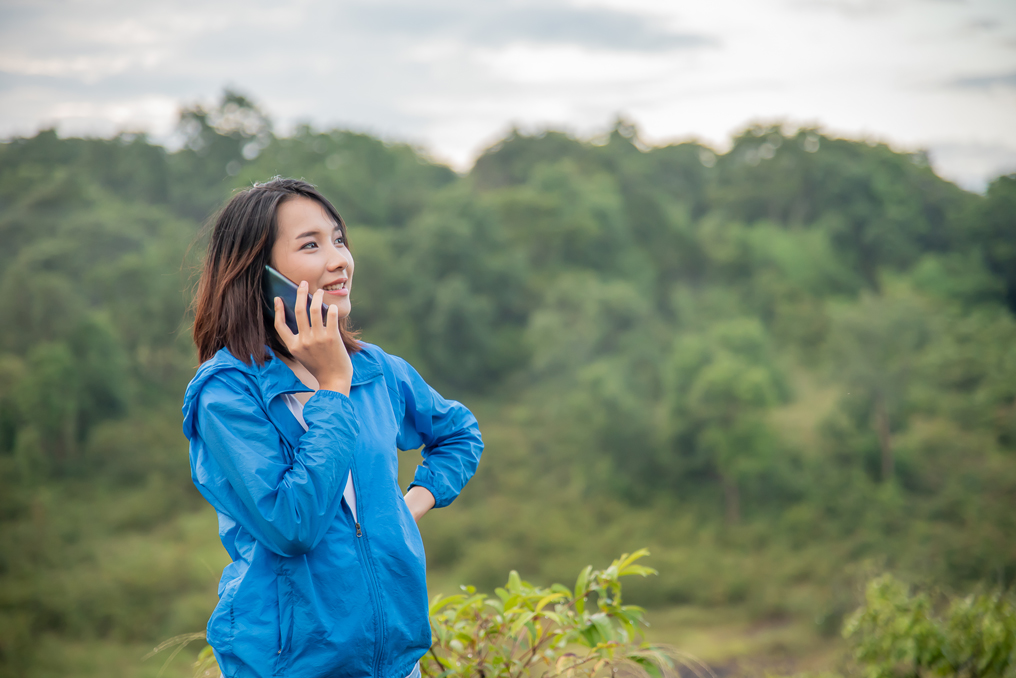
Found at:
<point>358,534</point>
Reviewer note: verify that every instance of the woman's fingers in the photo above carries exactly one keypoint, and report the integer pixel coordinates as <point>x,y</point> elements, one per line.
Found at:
<point>318,342</point>
<point>302,323</point>
<point>316,317</point>
<point>281,327</point>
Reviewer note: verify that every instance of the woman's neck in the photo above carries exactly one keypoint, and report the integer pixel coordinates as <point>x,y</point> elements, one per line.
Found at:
<point>305,377</point>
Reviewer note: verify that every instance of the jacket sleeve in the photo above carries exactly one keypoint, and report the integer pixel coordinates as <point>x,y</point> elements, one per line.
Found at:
<point>286,505</point>
<point>447,430</point>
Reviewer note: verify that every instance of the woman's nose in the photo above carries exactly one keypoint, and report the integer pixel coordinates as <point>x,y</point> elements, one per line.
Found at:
<point>339,259</point>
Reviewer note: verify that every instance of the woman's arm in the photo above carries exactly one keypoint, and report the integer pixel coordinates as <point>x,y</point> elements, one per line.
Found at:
<point>288,507</point>
<point>419,500</point>
<point>448,432</point>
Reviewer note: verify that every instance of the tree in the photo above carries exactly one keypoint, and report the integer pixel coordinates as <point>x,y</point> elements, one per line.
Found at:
<point>720,384</point>
<point>995,228</point>
<point>874,346</point>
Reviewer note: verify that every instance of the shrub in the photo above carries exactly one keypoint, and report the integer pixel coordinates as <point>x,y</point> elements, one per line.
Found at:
<point>898,632</point>
<point>525,630</point>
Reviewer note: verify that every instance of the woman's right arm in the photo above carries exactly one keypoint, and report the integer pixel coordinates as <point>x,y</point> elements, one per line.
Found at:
<point>287,507</point>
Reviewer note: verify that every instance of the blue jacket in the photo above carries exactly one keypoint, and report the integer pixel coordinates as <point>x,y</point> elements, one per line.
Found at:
<point>310,592</point>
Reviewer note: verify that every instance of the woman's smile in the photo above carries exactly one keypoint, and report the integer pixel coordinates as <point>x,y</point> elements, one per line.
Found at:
<point>338,288</point>
<point>311,246</point>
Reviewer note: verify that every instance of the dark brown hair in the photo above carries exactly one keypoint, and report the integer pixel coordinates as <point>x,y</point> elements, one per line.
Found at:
<point>228,310</point>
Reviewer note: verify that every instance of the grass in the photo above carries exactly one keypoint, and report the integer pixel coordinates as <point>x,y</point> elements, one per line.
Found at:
<point>766,595</point>
<point>726,638</point>
<point>731,642</point>
<point>59,658</point>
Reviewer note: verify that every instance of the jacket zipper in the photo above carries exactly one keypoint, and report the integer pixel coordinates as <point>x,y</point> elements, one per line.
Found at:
<point>375,589</point>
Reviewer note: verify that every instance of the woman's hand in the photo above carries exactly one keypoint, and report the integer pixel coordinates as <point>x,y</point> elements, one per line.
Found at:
<point>419,500</point>
<point>317,345</point>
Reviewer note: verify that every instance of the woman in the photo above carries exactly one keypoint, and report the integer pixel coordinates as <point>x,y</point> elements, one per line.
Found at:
<point>293,440</point>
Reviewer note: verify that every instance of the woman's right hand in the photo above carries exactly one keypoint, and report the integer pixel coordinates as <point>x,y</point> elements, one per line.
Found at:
<point>317,345</point>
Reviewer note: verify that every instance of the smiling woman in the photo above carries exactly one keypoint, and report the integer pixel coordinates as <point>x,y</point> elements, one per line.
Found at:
<point>293,440</point>
<point>311,246</point>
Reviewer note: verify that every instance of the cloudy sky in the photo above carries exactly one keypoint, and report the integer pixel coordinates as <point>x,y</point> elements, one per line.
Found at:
<point>454,75</point>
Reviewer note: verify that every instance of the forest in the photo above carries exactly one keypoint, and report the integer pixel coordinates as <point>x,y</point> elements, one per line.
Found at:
<point>784,369</point>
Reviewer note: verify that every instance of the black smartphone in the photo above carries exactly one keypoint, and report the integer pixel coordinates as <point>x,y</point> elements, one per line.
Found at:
<point>274,284</point>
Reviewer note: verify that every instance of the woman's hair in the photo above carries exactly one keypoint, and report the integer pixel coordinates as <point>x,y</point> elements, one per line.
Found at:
<point>228,306</point>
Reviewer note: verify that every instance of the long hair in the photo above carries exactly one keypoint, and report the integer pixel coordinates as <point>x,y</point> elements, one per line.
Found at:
<point>228,308</point>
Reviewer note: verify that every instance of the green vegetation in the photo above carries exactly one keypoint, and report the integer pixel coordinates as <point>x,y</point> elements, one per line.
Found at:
<point>554,631</point>
<point>899,632</point>
<point>777,367</point>
<point>528,630</point>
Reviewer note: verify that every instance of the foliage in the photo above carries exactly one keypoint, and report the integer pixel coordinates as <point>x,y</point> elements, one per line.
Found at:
<point>719,388</point>
<point>527,629</point>
<point>530,630</point>
<point>899,632</point>
<point>996,232</point>
<point>769,364</point>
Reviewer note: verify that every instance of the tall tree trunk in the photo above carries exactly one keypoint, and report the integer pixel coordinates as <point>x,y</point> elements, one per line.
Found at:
<point>732,497</point>
<point>884,438</point>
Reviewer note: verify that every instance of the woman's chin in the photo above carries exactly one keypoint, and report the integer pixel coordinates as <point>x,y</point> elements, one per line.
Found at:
<point>343,306</point>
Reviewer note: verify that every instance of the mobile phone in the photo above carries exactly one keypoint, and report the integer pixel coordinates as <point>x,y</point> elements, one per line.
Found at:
<point>274,284</point>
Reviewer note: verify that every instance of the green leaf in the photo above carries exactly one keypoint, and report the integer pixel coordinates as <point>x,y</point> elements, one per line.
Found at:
<point>636,570</point>
<point>555,617</point>
<point>648,665</point>
<point>590,635</point>
<point>548,599</point>
<point>520,622</point>
<point>441,603</point>
<point>561,588</point>
<point>581,588</point>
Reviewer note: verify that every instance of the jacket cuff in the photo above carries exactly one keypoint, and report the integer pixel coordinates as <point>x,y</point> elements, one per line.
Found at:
<point>334,405</point>
<point>428,480</point>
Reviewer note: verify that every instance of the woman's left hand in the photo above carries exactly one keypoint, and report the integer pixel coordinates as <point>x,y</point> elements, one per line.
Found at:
<point>419,500</point>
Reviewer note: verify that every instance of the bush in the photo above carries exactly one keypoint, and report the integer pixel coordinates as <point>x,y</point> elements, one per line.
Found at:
<point>527,630</point>
<point>898,632</point>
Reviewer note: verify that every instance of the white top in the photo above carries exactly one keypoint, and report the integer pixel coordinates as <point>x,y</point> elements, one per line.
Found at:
<point>349,494</point>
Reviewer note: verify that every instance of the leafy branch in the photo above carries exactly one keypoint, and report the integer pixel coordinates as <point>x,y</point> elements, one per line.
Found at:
<point>555,631</point>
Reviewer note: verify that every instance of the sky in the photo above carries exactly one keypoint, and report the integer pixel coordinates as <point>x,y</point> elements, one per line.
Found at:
<point>453,76</point>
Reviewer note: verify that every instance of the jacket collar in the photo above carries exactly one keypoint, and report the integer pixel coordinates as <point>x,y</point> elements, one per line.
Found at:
<point>276,378</point>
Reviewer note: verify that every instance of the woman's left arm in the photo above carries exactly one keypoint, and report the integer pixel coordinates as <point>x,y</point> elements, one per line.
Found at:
<point>419,500</point>
<point>448,432</point>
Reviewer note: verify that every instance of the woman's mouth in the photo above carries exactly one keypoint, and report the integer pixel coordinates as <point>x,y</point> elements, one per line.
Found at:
<point>340,288</point>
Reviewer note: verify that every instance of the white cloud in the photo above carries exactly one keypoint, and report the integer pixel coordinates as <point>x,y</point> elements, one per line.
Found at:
<point>454,74</point>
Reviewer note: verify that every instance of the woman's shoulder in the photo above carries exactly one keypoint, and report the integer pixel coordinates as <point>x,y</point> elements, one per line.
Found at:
<point>224,366</point>
<point>223,372</point>
<point>393,365</point>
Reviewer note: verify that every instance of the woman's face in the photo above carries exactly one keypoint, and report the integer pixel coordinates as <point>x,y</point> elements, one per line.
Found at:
<point>310,247</point>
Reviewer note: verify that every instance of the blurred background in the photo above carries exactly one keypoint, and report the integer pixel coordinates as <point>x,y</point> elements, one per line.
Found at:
<point>734,281</point>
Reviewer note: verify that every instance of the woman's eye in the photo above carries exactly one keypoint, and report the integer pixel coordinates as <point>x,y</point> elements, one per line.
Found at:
<point>309,245</point>
<point>340,241</point>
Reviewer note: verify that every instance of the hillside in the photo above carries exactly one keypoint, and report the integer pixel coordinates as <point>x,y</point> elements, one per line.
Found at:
<point>779,368</point>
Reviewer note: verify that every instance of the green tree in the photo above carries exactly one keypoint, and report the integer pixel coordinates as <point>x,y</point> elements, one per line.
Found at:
<point>720,384</point>
<point>467,292</point>
<point>995,228</point>
<point>881,209</point>
<point>874,345</point>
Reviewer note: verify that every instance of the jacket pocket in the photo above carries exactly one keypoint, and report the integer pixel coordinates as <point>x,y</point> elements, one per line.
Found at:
<point>285,624</point>
<point>222,624</point>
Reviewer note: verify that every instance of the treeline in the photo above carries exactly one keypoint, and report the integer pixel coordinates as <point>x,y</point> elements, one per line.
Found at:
<point>767,364</point>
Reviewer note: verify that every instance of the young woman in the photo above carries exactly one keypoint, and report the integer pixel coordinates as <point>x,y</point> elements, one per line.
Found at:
<point>293,440</point>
